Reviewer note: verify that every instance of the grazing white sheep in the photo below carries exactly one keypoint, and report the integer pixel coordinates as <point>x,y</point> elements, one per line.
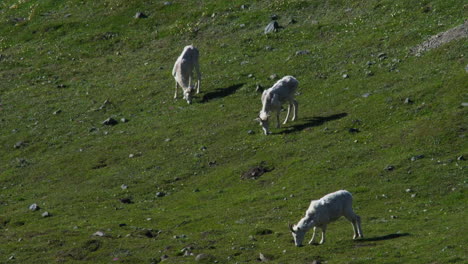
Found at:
<point>324,211</point>
<point>272,99</point>
<point>183,72</point>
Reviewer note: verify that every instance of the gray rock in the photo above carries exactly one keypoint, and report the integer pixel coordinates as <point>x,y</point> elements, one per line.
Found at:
<point>274,17</point>
<point>160,194</point>
<point>167,3</point>
<point>265,258</point>
<point>124,120</point>
<point>99,234</point>
<point>124,187</point>
<point>140,15</point>
<point>19,144</point>
<point>389,168</point>
<point>273,26</point>
<point>408,101</point>
<point>164,257</point>
<point>417,157</point>
<point>244,7</point>
<point>110,122</point>
<point>45,214</point>
<point>302,52</point>
<point>274,76</point>
<point>366,95</point>
<point>464,104</point>
<point>460,158</point>
<point>382,56</point>
<point>466,68</point>
<point>204,257</point>
<point>250,132</point>
<point>292,21</point>
<point>345,76</point>
<point>57,112</point>
<point>34,207</point>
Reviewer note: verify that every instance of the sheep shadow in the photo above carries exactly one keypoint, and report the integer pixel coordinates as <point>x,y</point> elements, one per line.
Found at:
<point>221,92</point>
<point>381,238</point>
<point>313,122</point>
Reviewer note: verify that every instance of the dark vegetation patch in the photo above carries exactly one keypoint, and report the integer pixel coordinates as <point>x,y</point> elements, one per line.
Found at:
<point>256,172</point>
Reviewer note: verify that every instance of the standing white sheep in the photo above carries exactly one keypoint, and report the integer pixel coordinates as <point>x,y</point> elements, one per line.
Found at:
<point>272,99</point>
<point>183,72</point>
<point>324,211</point>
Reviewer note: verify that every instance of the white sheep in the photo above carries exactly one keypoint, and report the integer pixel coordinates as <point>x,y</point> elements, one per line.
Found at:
<point>272,99</point>
<point>183,72</point>
<point>324,211</point>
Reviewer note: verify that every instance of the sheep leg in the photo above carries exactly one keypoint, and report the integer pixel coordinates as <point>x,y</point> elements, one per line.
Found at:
<point>175,95</point>
<point>295,104</point>
<point>287,115</point>
<point>324,229</point>
<point>313,237</point>
<point>277,120</point>
<point>197,68</point>
<point>358,220</point>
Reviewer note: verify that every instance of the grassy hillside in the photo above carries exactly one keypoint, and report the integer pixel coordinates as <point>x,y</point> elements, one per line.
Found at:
<point>373,119</point>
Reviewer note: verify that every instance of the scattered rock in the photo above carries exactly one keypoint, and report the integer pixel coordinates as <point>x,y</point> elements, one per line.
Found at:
<point>274,17</point>
<point>417,157</point>
<point>244,7</point>
<point>204,257</point>
<point>270,48</point>
<point>140,15</point>
<point>302,52</point>
<point>34,207</point>
<point>413,195</point>
<point>124,187</point>
<point>345,76</point>
<point>466,68</point>
<point>366,95</point>
<point>274,76</point>
<point>265,258</point>
<point>408,101</point>
<point>292,21</point>
<point>255,172</point>
<point>167,3</point>
<point>126,200</point>
<point>164,257</point>
<point>353,130</point>
<point>316,262</point>
<point>250,132</point>
<point>160,194</point>
<point>19,144</point>
<point>99,234</point>
<point>389,168</point>
<point>382,56</point>
<point>45,214</point>
<point>57,112</point>
<point>167,140</point>
<point>250,75</point>
<point>273,26</point>
<point>464,104</point>
<point>124,120</point>
<point>259,88</point>
<point>263,232</point>
<point>409,190</point>
<point>110,122</point>
<point>460,158</point>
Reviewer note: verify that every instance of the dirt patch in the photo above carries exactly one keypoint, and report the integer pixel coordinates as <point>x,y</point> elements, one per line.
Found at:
<point>255,172</point>
<point>441,38</point>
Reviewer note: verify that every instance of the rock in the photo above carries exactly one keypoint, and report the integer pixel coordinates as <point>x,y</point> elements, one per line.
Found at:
<point>164,257</point>
<point>34,207</point>
<point>302,52</point>
<point>316,262</point>
<point>204,257</point>
<point>126,200</point>
<point>250,132</point>
<point>45,214</point>
<point>417,157</point>
<point>140,15</point>
<point>274,17</point>
<point>19,144</point>
<point>292,21</point>
<point>57,112</point>
<point>124,120</point>
<point>353,130</point>
<point>273,26</point>
<point>413,195</point>
<point>382,56</point>
<point>265,258</point>
<point>250,75</point>
<point>160,194</point>
<point>345,76</point>
<point>466,68</point>
<point>167,3</point>
<point>408,101</point>
<point>99,234</point>
<point>366,95</point>
<point>258,88</point>
<point>124,187</point>
<point>167,140</point>
<point>464,104</point>
<point>409,190</point>
<point>389,168</point>
<point>110,122</point>
<point>460,158</point>
<point>274,76</point>
<point>244,7</point>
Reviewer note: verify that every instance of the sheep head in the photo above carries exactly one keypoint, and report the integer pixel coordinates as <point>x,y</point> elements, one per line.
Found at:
<point>263,120</point>
<point>298,234</point>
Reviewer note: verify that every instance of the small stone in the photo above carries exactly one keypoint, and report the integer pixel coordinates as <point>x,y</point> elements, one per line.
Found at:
<point>366,95</point>
<point>110,122</point>
<point>460,158</point>
<point>417,157</point>
<point>203,148</point>
<point>250,75</point>
<point>99,234</point>
<point>353,130</point>
<point>167,140</point>
<point>57,112</point>
<point>160,194</point>
<point>123,187</point>
<point>167,3</point>
<point>408,101</point>
<point>292,21</point>
<point>204,257</point>
<point>464,104</point>
<point>316,262</point>
<point>126,200</point>
<point>131,155</point>
<point>409,190</point>
<point>382,56</point>
<point>265,258</point>
<point>345,76</point>
<point>18,144</point>
<point>164,257</point>
<point>274,17</point>
<point>413,195</point>
<point>244,7</point>
<point>393,217</point>
<point>34,207</point>
<point>124,120</point>
<point>274,76</point>
<point>389,168</point>
<point>369,73</point>
<point>45,214</point>
<point>250,132</point>
<point>11,257</point>
<point>273,26</point>
<point>302,52</point>
<point>140,15</point>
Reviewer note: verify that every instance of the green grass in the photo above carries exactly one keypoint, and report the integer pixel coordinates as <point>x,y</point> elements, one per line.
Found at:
<point>73,55</point>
